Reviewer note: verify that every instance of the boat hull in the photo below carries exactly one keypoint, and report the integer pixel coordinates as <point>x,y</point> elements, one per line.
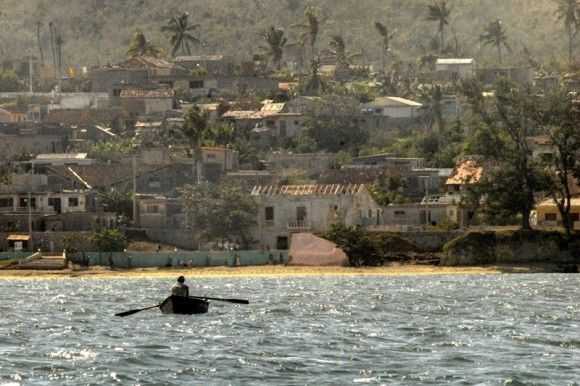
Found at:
<point>184,306</point>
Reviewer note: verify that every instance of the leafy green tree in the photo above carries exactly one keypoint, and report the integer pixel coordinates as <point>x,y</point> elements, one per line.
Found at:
<point>360,248</point>
<point>109,240</point>
<point>495,35</point>
<point>513,184</point>
<point>118,202</point>
<point>140,46</point>
<point>275,43</point>
<point>333,124</point>
<point>432,99</point>
<point>559,116</point>
<point>220,212</point>
<point>194,129</point>
<point>9,81</point>
<point>440,13</point>
<point>568,13</point>
<point>181,34</point>
<point>110,151</point>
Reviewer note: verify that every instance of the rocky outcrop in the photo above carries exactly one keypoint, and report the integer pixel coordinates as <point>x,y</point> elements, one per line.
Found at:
<point>519,247</point>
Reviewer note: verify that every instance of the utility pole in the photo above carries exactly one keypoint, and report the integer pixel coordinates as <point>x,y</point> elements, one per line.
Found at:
<point>135,214</point>
<point>30,73</point>
<point>30,221</point>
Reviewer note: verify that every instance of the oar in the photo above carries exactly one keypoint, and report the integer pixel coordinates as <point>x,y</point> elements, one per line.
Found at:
<point>236,301</point>
<point>131,312</point>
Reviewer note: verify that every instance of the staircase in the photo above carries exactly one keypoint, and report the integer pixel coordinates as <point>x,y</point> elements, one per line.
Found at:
<point>44,263</point>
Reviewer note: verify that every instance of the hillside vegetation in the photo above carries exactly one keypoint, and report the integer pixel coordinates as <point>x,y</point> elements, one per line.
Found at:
<point>98,31</point>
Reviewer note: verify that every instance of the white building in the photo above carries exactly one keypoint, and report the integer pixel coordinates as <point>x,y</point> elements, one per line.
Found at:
<point>456,68</point>
<point>285,210</point>
<point>393,107</point>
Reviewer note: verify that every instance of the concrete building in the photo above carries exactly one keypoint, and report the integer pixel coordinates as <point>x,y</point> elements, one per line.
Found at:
<point>453,69</point>
<point>285,210</point>
<point>393,107</point>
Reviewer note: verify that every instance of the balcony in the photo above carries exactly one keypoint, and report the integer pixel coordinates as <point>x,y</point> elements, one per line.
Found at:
<point>299,227</point>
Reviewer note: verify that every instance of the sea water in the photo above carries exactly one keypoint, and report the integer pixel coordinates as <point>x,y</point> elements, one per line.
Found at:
<point>436,330</point>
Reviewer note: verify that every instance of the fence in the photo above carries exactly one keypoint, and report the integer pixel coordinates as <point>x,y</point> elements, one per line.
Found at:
<point>177,259</point>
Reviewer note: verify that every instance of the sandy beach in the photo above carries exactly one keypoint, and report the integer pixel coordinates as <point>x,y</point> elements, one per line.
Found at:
<point>268,271</point>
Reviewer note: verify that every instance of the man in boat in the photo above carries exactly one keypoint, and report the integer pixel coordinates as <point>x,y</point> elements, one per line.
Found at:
<point>180,289</point>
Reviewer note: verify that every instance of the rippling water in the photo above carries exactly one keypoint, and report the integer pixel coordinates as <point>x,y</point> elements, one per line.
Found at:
<point>490,330</point>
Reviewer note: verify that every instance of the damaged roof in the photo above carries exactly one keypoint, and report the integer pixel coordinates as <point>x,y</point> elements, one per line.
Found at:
<point>307,190</point>
<point>466,172</point>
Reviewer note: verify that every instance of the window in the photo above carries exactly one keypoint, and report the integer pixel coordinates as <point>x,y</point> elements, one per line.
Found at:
<point>301,213</point>
<point>211,156</point>
<point>196,84</point>
<point>154,182</point>
<point>399,213</point>
<point>269,213</point>
<point>152,208</point>
<point>23,202</point>
<point>73,202</point>
<point>6,202</point>
<point>575,217</point>
<point>551,217</point>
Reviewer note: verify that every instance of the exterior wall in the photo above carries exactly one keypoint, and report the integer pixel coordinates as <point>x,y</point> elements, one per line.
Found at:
<point>13,145</point>
<point>158,105</point>
<point>400,111</point>
<point>420,215</point>
<point>70,203</point>
<point>463,71</point>
<point>549,216</point>
<point>182,258</point>
<point>320,213</point>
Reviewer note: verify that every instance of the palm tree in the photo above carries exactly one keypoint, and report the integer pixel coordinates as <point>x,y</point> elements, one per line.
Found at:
<point>195,128</point>
<point>181,34</point>
<point>440,13</point>
<point>432,100</point>
<point>495,35</point>
<point>386,36</point>
<point>140,46</point>
<point>568,12</point>
<point>310,29</point>
<point>337,49</point>
<point>275,43</point>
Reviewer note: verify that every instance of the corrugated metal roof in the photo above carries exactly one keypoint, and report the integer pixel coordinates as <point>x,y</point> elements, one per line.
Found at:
<point>455,61</point>
<point>307,190</point>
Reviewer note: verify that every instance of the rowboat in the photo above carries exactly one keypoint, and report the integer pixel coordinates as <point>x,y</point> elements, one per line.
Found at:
<point>184,306</point>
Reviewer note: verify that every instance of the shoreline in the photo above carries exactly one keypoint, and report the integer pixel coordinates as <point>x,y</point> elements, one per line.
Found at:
<point>393,270</point>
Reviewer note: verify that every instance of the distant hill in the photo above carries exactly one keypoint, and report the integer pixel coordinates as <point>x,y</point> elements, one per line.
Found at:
<point>98,31</point>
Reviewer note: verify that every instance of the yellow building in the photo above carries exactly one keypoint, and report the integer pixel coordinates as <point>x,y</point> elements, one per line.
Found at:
<point>548,214</point>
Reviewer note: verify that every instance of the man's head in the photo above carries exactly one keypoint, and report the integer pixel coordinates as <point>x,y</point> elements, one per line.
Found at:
<point>181,279</point>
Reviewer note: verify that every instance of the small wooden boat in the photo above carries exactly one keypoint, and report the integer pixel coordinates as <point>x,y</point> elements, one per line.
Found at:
<point>184,306</point>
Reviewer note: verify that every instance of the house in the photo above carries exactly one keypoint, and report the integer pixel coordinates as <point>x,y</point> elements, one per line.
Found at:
<point>212,65</point>
<point>454,69</point>
<point>150,100</point>
<point>9,115</point>
<point>467,172</point>
<point>285,210</point>
<point>548,215</point>
<point>47,211</point>
<point>393,107</point>
<point>158,211</point>
<point>419,215</point>
<point>32,138</point>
